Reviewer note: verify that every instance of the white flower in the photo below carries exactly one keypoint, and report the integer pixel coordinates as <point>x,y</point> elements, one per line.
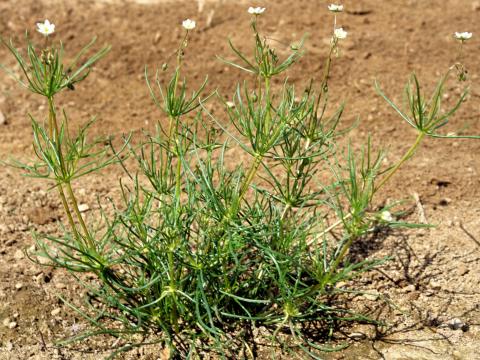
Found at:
<point>256,11</point>
<point>340,33</point>
<point>335,8</point>
<point>46,28</point>
<point>386,216</point>
<point>463,36</point>
<point>189,24</point>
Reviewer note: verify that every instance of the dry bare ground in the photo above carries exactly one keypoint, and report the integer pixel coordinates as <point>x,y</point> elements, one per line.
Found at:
<point>433,277</point>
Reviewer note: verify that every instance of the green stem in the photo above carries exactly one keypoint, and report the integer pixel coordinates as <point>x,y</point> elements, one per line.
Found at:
<point>52,121</point>
<point>54,133</point>
<point>268,116</point>
<point>340,257</point>
<point>67,211</point>
<point>73,199</point>
<point>349,242</point>
<point>174,314</point>
<point>258,158</point>
<point>170,131</point>
<point>405,157</point>
<point>249,177</point>
<point>179,62</point>
<point>178,176</point>
<point>326,70</point>
<point>283,219</point>
<point>285,211</point>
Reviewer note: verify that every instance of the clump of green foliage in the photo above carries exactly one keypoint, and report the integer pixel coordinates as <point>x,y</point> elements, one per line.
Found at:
<point>199,250</point>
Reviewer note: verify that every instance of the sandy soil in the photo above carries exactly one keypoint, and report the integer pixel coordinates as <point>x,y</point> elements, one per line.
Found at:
<point>434,275</point>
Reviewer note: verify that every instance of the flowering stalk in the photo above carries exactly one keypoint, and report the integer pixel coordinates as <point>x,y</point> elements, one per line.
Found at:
<point>53,130</point>
<point>46,75</point>
<point>338,34</point>
<point>462,37</point>
<point>50,62</point>
<point>262,52</point>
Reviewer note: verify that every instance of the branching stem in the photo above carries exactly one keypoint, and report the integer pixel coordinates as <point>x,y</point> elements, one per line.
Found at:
<point>54,134</point>
<point>405,157</point>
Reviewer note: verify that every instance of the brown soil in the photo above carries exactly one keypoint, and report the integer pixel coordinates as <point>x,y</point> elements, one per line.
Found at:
<point>434,275</point>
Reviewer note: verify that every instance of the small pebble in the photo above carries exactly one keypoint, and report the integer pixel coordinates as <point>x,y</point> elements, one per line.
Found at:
<point>83,207</point>
<point>6,322</point>
<point>457,324</point>
<point>4,229</point>
<point>3,121</point>
<point>435,285</point>
<point>445,201</point>
<point>463,269</point>
<point>10,242</point>
<point>9,346</point>
<point>18,286</point>
<point>60,285</point>
<point>19,255</point>
<point>357,336</point>
<point>414,295</point>
<point>371,297</point>
<point>21,227</point>
<point>12,325</point>
<point>56,312</point>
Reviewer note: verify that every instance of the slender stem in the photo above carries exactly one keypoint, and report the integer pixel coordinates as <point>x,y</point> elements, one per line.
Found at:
<point>340,256</point>
<point>52,121</point>
<point>170,131</point>
<point>348,243</point>
<point>460,53</point>
<point>179,62</point>
<point>73,199</point>
<point>249,177</point>
<point>178,176</point>
<point>68,212</point>
<point>171,260</point>
<point>266,131</point>
<point>268,116</point>
<point>283,221</point>
<point>405,157</point>
<point>285,211</point>
<point>327,68</point>
<point>331,227</point>
<point>174,313</point>
<point>54,133</point>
